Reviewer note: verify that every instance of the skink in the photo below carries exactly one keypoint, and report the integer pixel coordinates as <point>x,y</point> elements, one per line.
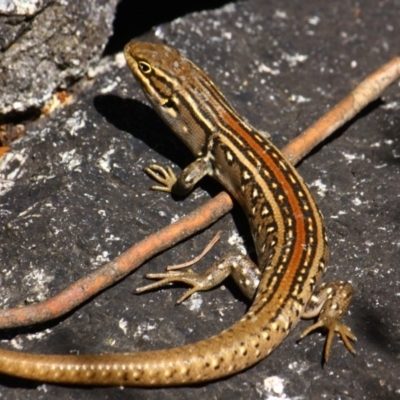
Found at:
<point>285,222</point>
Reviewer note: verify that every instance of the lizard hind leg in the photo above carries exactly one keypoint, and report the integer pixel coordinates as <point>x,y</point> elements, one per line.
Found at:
<point>329,303</point>
<point>244,272</point>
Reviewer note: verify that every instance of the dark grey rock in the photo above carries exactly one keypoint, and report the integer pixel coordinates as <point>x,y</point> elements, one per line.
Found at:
<point>74,196</point>
<point>48,45</point>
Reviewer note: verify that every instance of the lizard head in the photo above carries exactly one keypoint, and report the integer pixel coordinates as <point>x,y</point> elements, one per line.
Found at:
<point>158,68</point>
<point>171,83</point>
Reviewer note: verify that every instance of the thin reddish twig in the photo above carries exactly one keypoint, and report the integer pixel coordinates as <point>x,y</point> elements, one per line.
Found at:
<point>112,272</point>
<point>366,92</point>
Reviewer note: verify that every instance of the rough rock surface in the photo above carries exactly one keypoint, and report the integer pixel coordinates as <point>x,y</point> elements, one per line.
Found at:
<point>74,196</point>
<point>47,45</point>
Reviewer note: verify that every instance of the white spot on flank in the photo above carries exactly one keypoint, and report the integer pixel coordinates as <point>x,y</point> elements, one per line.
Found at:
<point>282,164</point>
<point>274,326</point>
<point>266,173</point>
<point>184,370</point>
<point>172,112</point>
<point>264,246</point>
<point>265,335</point>
<point>264,211</point>
<point>167,373</point>
<point>246,175</point>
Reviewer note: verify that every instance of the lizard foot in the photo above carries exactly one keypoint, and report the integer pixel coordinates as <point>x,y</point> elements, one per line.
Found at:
<point>244,272</point>
<point>332,325</point>
<point>328,304</point>
<point>165,176</point>
<point>189,277</point>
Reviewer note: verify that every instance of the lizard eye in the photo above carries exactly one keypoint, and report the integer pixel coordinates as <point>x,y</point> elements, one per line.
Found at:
<point>144,67</point>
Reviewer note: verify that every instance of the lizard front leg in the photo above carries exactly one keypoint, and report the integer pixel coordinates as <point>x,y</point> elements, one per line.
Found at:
<point>244,272</point>
<point>186,180</point>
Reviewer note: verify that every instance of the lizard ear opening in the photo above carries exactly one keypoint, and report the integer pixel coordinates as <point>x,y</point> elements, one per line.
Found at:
<point>144,67</point>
